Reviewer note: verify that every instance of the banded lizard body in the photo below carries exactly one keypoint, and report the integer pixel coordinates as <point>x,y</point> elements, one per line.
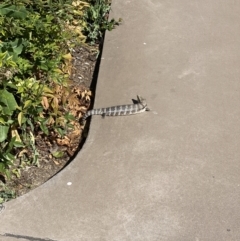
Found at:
<point>119,110</point>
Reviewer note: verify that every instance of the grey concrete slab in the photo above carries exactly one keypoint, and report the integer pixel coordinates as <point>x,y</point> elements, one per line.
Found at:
<point>169,174</point>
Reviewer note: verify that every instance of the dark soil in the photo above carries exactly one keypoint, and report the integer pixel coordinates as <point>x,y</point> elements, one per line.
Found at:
<point>83,71</point>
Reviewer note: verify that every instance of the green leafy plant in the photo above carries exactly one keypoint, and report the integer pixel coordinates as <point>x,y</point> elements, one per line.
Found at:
<point>35,42</point>
<point>6,194</point>
<point>96,17</point>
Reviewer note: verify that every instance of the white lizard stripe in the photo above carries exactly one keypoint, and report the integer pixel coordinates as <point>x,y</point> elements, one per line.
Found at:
<point>135,109</point>
<point>107,110</point>
<point>112,112</point>
<point>125,109</point>
<point>116,110</point>
<point>120,110</point>
<point>131,109</point>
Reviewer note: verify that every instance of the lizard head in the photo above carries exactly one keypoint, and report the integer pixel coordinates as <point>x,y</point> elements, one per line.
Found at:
<point>143,102</point>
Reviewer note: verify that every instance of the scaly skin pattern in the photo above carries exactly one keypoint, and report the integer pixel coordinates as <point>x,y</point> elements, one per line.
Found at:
<point>119,110</point>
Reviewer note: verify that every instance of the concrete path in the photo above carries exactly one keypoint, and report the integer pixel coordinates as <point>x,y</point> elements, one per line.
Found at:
<point>172,174</point>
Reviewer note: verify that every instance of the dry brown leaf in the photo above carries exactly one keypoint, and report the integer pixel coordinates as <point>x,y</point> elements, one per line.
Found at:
<point>22,152</point>
<point>55,103</point>
<point>70,153</point>
<point>14,133</point>
<point>73,135</point>
<point>73,101</point>
<point>51,120</point>
<point>83,94</point>
<point>45,103</point>
<point>56,162</point>
<point>73,112</point>
<point>87,98</point>
<point>63,142</point>
<point>83,109</point>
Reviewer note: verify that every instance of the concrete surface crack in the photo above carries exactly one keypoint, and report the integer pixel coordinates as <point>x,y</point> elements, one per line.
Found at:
<point>16,236</point>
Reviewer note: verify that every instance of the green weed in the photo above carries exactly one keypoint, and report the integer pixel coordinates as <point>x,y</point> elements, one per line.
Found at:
<point>96,18</point>
<point>6,194</point>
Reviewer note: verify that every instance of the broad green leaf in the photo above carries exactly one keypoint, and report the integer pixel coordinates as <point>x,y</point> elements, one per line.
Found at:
<point>2,167</point>
<point>9,148</point>
<point>9,157</point>
<point>17,45</point>
<point>18,144</point>
<point>60,131</point>
<point>8,174</point>
<point>47,90</point>
<point>3,132</point>
<point>13,11</point>
<point>27,103</point>
<point>44,128</point>
<point>3,55</point>
<point>9,101</point>
<point>58,154</point>
<point>12,85</point>
<point>2,120</point>
<point>58,71</point>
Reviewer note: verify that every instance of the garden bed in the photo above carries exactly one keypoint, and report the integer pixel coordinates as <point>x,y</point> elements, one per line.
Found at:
<point>48,63</point>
